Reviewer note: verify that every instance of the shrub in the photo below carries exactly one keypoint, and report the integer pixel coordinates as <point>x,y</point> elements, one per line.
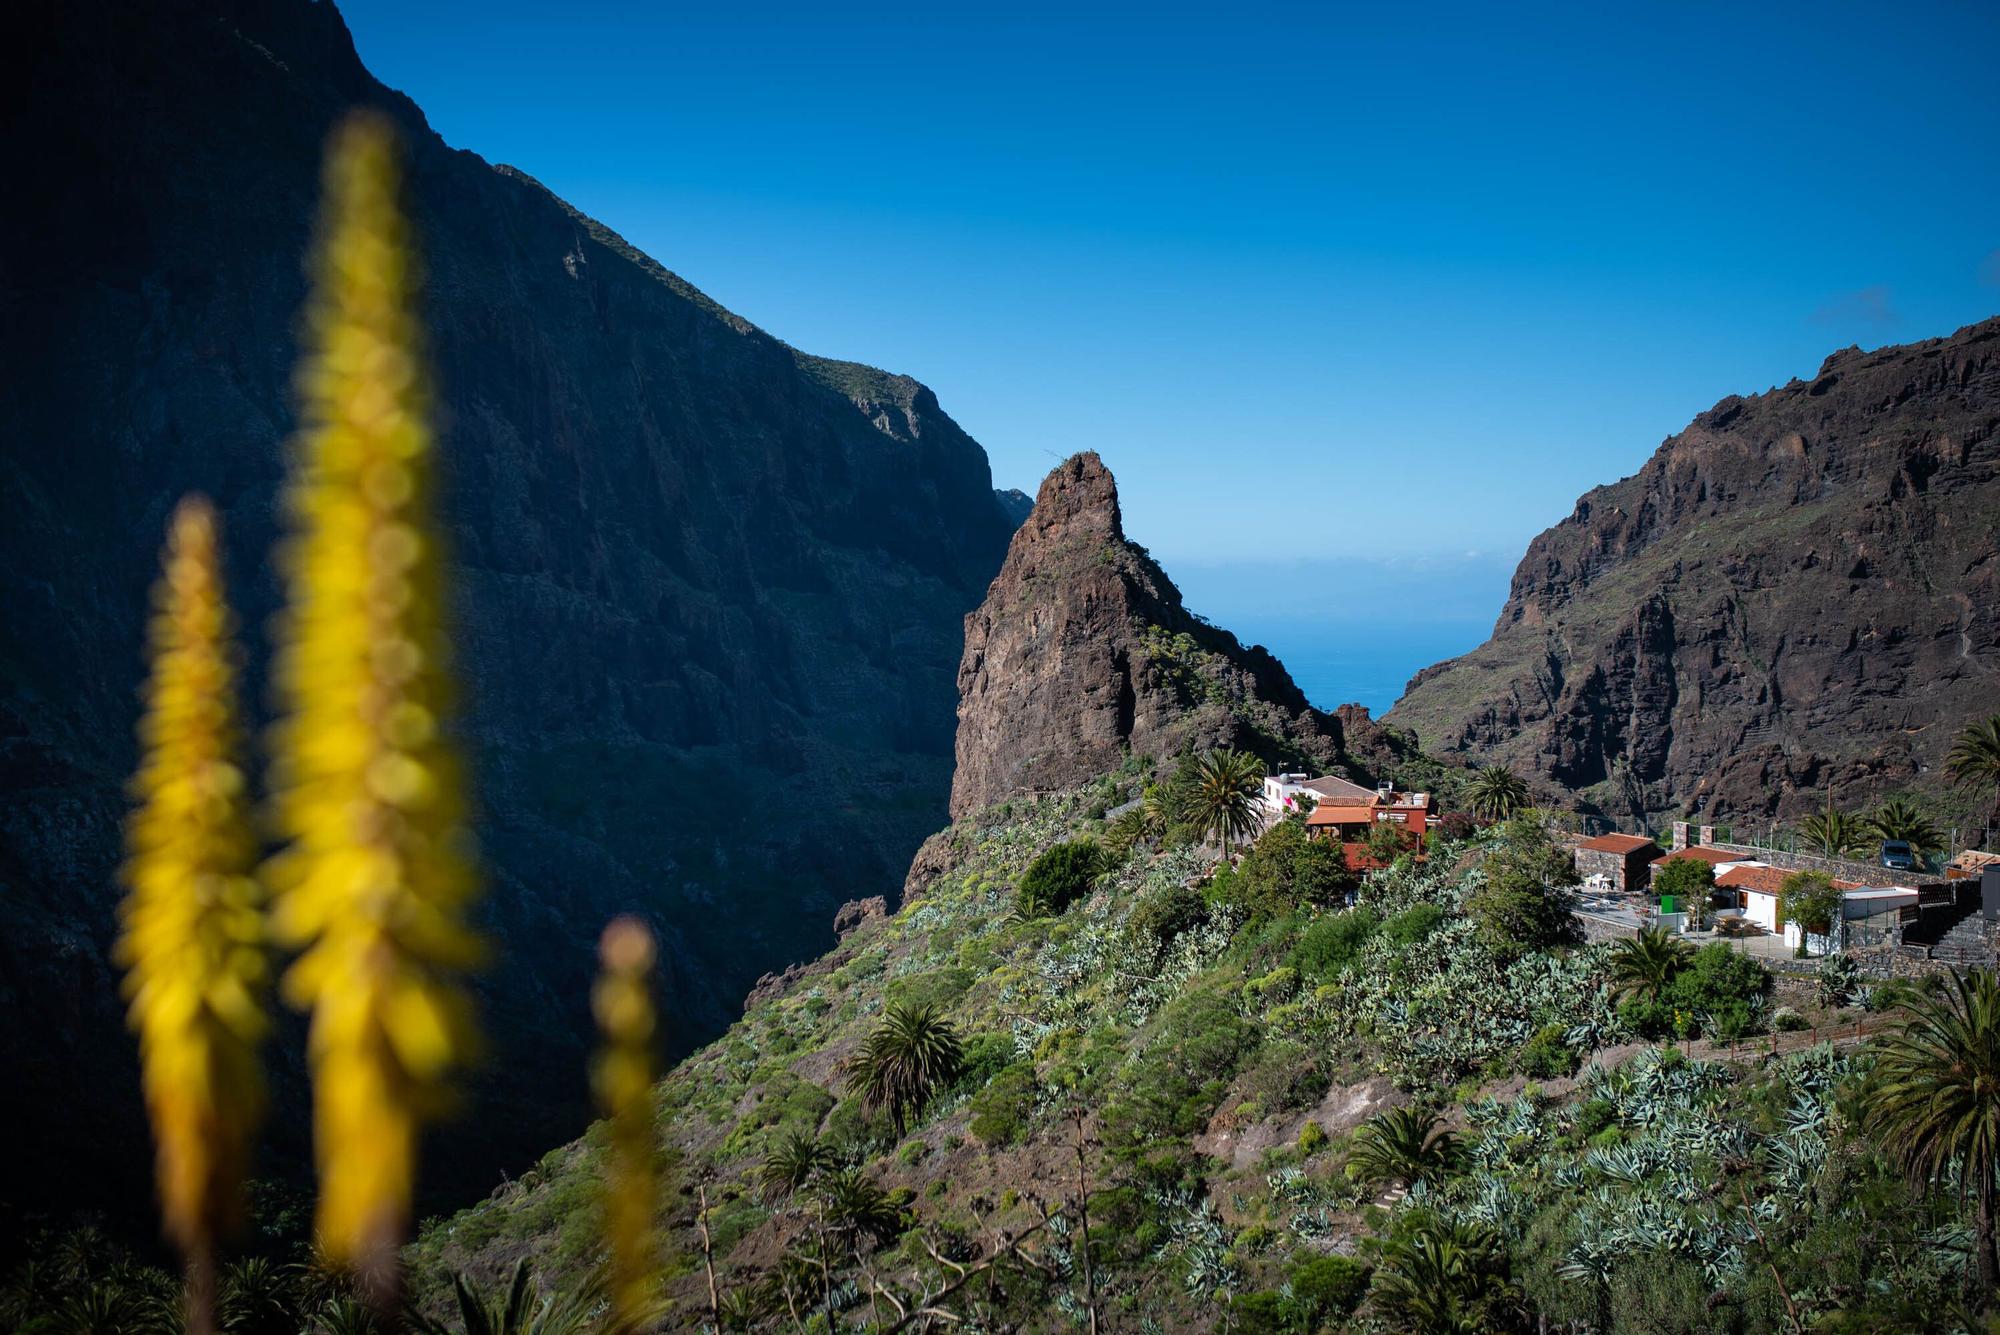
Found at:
<point>985,1056</point>
<point>1722,984</point>
<point>1413,924</point>
<point>1275,986</point>
<point>1287,868</point>
<point>1546,1055</point>
<point>1001,1111</point>
<point>1058,878</point>
<point>1326,1290</point>
<point>1786,1020</point>
<point>1165,914</point>
<point>1525,900</point>
<point>1331,943</point>
<point>1312,1138</point>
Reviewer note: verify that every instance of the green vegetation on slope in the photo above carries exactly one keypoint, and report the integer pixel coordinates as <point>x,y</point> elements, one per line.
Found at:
<point>1204,1066</point>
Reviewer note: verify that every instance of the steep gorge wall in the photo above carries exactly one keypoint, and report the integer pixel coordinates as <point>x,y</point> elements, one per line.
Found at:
<point>710,590</point>
<point>1798,597</point>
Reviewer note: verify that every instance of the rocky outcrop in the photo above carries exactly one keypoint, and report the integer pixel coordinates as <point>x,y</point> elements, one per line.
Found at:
<point>710,590</point>
<point>1797,597</point>
<point>1083,653</point>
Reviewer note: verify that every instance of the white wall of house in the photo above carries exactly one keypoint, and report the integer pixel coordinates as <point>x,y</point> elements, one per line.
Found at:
<point>1761,909</point>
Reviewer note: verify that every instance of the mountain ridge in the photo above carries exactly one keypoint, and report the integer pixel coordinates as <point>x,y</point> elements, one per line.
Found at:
<point>688,555</point>
<point>1791,600</point>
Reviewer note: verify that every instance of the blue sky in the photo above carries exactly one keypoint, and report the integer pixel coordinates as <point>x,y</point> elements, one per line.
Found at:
<point>1317,284</point>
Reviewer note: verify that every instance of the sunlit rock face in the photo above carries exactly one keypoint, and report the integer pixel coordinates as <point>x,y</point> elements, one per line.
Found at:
<point>1796,599</point>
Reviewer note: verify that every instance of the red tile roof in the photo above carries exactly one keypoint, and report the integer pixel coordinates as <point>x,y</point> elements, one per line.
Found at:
<point>1764,880</point>
<point>1327,814</point>
<point>1712,856</point>
<point>1771,880</point>
<point>1616,843</point>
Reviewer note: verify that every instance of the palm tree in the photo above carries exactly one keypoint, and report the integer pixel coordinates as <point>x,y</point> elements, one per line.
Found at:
<point>1497,792</point>
<point>855,1207</point>
<point>1445,1279</point>
<point>1974,761</point>
<point>1898,818</point>
<point>1221,798</point>
<point>519,1311</point>
<point>1403,1146</point>
<point>794,1161</point>
<point>1833,832</point>
<point>1643,965</point>
<point>1933,1099</point>
<point>912,1053</point>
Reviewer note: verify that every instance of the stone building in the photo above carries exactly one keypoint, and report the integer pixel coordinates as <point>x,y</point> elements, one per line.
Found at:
<point>1624,860</point>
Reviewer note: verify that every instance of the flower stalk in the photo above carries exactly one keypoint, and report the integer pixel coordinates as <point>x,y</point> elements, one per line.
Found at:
<point>377,878</point>
<point>192,940</point>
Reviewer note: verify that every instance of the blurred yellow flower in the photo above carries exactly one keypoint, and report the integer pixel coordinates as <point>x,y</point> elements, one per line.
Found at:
<point>193,932</point>
<point>375,883</point>
<point>623,1078</point>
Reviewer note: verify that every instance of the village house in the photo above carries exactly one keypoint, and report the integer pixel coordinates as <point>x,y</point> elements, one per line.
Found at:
<point>1286,793</point>
<point>1757,891</point>
<point>1350,819</point>
<point>1621,863</point>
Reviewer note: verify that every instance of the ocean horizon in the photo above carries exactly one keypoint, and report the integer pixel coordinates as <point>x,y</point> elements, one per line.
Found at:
<point>1359,662</point>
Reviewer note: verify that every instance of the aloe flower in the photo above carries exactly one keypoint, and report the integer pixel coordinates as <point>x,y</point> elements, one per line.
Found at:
<point>377,878</point>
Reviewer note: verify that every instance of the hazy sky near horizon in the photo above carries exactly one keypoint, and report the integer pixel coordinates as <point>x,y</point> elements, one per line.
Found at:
<point>1318,283</point>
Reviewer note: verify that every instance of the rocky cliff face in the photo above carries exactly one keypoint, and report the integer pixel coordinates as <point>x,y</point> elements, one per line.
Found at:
<point>1798,596</point>
<point>1082,653</point>
<point>710,591</point>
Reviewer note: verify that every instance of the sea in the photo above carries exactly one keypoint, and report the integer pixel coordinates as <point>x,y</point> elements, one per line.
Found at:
<point>1369,663</point>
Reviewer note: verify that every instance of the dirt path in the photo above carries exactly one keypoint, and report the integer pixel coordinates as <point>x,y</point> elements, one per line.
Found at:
<point>1742,1052</point>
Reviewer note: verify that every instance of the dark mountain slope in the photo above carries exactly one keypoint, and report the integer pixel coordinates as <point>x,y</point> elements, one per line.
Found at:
<point>711,590</point>
<point>1797,596</point>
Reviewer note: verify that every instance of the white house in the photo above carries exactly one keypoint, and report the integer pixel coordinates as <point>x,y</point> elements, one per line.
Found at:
<point>1282,792</point>
<point>1757,888</point>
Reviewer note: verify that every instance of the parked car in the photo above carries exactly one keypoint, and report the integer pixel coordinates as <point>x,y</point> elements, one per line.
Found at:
<point>1898,855</point>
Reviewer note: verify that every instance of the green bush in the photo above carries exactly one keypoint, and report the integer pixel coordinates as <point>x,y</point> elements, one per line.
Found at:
<point>1287,869</point>
<point>1002,1110</point>
<point>1058,878</point>
<point>1326,1290</point>
<point>1413,924</point>
<point>984,1056</point>
<point>1546,1056</point>
<point>1525,900</point>
<point>1173,1083</point>
<point>1165,914</point>
<point>1312,1138</point>
<point>1722,985</point>
<point>1331,943</point>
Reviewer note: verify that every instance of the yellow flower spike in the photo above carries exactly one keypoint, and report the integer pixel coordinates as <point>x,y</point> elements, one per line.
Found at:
<point>623,1002</point>
<point>193,932</point>
<point>376,881</point>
